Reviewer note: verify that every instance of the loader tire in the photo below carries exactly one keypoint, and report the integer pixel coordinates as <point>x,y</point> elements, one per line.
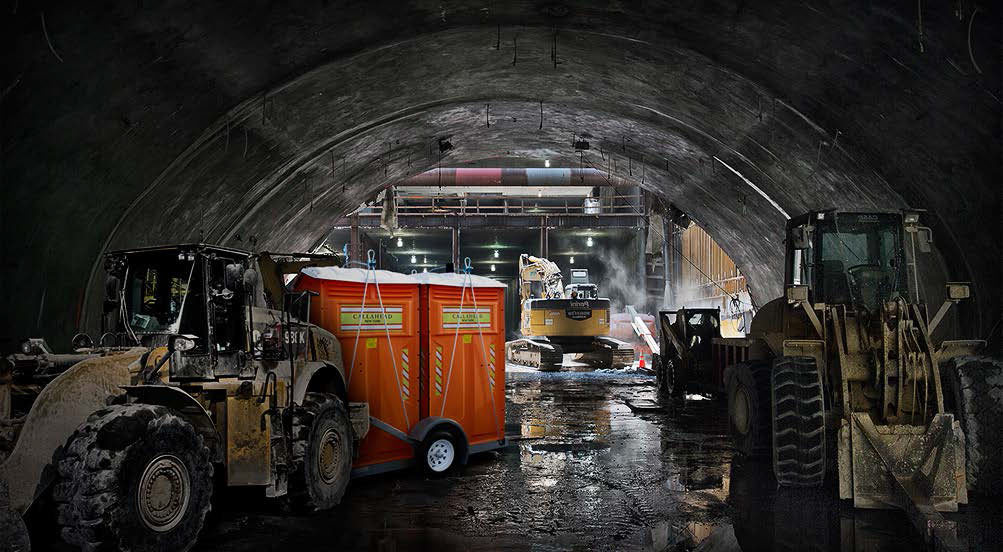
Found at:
<point>322,452</point>
<point>798,411</point>
<point>975,387</point>
<point>748,385</point>
<point>133,477</point>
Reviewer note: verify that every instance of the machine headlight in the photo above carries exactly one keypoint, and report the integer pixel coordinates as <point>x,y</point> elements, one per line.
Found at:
<point>957,291</point>
<point>183,343</point>
<point>911,217</point>
<point>26,347</point>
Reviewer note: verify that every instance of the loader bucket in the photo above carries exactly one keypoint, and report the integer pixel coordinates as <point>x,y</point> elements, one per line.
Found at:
<point>63,404</point>
<point>918,469</point>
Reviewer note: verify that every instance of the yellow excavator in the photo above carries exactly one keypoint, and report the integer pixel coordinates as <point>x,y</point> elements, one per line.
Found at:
<point>572,319</point>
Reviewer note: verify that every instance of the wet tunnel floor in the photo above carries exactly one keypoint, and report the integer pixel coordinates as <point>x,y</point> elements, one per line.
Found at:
<point>584,471</point>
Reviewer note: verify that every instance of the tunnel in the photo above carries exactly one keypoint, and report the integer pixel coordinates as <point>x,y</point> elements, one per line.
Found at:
<point>255,126</point>
<point>137,125</point>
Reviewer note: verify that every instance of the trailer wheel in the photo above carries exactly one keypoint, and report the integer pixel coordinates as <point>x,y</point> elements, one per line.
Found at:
<point>133,477</point>
<point>749,408</point>
<point>798,415</point>
<point>975,387</point>
<point>322,452</point>
<point>439,453</point>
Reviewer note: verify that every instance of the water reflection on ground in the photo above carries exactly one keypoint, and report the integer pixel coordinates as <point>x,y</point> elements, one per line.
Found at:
<point>596,462</point>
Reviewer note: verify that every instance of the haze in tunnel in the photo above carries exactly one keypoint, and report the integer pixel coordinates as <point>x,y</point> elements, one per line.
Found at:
<point>256,127</point>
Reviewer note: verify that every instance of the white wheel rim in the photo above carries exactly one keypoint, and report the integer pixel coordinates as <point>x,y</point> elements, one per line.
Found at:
<point>440,455</point>
<point>163,493</point>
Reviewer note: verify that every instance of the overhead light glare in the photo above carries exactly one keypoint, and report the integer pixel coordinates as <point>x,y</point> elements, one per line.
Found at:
<point>539,193</point>
<point>496,253</point>
<point>414,259</point>
<point>572,261</point>
<point>400,242</point>
<point>546,163</point>
<point>424,269</point>
<point>492,268</point>
<point>588,242</point>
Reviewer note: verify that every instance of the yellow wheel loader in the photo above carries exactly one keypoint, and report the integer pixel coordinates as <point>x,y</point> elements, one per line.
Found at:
<point>206,365</point>
<point>572,319</point>
<point>841,378</point>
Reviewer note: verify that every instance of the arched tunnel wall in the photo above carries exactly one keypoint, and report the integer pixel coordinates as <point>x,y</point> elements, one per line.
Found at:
<point>171,123</point>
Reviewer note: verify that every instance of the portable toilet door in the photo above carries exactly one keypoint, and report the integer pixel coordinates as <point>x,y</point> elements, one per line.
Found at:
<point>463,337</point>
<point>379,347</point>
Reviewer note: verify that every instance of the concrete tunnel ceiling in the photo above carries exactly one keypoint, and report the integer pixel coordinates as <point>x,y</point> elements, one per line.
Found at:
<point>193,123</point>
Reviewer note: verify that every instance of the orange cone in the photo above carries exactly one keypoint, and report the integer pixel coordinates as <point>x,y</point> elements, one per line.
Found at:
<point>641,364</point>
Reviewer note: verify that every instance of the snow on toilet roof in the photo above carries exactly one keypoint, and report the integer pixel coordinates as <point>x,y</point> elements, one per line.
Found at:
<point>358,275</point>
<point>456,280</point>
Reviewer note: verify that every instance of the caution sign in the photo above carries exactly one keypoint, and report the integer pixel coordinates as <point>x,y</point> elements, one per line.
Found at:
<point>466,317</point>
<point>359,318</point>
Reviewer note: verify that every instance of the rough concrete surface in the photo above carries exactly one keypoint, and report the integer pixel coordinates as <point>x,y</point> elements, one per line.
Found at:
<point>129,124</point>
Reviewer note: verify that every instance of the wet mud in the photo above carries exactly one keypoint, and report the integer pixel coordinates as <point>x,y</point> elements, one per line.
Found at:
<point>585,471</point>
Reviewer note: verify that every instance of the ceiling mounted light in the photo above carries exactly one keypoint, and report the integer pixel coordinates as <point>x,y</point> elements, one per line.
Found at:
<point>400,242</point>
<point>588,242</point>
<point>492,268</point>
<point>546,163</point>
<point>424,269</point>
<point>496,253</point>
<point>572,261</point>
<point>413,259</point>
<point>424,260</point>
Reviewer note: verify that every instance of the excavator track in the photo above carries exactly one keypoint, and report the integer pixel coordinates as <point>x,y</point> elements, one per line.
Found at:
<point>542,355</point>
<point>619,353</point>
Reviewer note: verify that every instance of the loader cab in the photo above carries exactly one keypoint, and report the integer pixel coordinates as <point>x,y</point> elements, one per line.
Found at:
<point>854,259</point>
<point>581,291</point>
<point>187,290</point>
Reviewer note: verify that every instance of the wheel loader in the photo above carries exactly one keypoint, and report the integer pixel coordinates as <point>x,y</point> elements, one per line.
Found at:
<point>572,319</point>
<point>206,370</point>
<point>840,378</point>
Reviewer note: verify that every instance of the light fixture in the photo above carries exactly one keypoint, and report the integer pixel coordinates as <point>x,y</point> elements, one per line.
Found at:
<point>424,269</point>
<point>539,193</point>
<point>496,253</point>
<point>546,162</point>
<point>492,268</point>
<point>424,260</point>
<point>588,242</point>
<point>400,242</point>
<point>572,261</point>
<point>414,259</point>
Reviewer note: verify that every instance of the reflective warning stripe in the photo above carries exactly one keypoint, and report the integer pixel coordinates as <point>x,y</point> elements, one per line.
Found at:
<point>438,370</point>
<point>405,374</point>
<point>491,364</point>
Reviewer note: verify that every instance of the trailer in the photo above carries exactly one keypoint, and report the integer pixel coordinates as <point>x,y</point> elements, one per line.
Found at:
<point>425,353</point>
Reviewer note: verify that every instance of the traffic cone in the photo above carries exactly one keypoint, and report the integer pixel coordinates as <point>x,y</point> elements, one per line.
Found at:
<point>641,363</point>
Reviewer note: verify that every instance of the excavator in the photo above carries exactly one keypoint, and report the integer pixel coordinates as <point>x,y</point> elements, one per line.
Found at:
<point>572,319</point>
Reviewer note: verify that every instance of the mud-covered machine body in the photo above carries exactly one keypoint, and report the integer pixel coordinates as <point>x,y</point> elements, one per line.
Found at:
<point>205,363</point>
<point>560,320</point>
<point>841,377</point>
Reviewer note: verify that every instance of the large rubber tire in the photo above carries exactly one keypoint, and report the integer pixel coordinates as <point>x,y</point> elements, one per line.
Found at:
<point>749,408</point>
<point>974,386</point>
<point>439,453</point>
<point>133,477</point>
<point>323,447</point>
<point>798,411</point>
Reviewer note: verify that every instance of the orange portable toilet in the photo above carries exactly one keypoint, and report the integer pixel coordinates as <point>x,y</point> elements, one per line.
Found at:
<point>463,365</point>
<point>379,334</point>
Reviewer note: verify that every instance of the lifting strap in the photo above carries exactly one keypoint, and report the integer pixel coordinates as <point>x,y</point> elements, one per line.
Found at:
<point>467,281</point>
<point>371,269</point>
